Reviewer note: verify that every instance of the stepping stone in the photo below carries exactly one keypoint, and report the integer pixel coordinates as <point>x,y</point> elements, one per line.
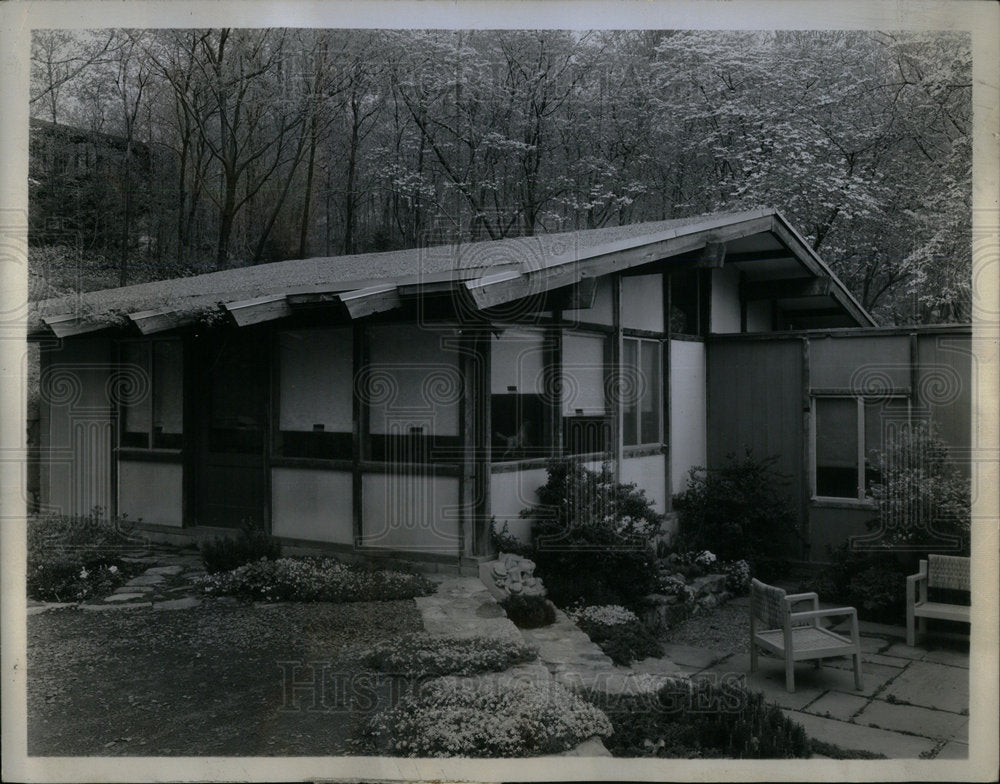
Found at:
<point>952,658</point>
<point>99,607</point>
<point>46,606</point>
<point>146,579</point>
<point>124,597</point>
<point>166,570</point>
<point>134,589</point>
<point>932,685</point>
<point>853,736</point>
<point>838,705</point>
<point>917,721</point>
<point>177,604</point>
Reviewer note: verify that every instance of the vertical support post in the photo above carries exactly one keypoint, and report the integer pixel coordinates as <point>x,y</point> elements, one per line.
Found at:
<point>359,430</point>
<point>668,490</point>
<point>914,371</point>
<point>807,450</point>
<point>553,381</point>
<point>271,409</point>
<point>616,362</point>
<point>484,439</point>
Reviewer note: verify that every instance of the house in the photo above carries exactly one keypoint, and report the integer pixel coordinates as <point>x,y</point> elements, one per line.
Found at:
<point>395,403</point>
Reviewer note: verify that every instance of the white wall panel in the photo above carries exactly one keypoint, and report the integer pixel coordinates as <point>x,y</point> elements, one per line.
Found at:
<point>642,302</point>
<point>316,379</point>
<point>648,473</point>
<point>411,512</point>
<point>151,492</point>
<point>312,504</point>
<point>687,410</point>
<point>725,299</point>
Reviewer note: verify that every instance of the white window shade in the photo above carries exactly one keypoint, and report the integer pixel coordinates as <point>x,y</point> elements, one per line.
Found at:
<point>316,380</point>
<point>415,383</point>
<point>517,362</point>
<point>642,302</point>
<point>583,375</point>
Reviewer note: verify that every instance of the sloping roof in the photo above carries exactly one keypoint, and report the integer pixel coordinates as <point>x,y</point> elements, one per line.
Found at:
<point>492,271</point>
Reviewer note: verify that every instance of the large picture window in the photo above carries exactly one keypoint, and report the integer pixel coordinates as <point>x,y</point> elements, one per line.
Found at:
<point>848,432</point>
<point>152,394</point>
<point>642,400</point>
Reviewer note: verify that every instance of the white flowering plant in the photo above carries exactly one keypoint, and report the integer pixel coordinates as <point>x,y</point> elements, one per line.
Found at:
<point>315,580</point>
<point>455,718</point>
<point>618,631</point>
<point>737,576</point>
<point>422,655</point>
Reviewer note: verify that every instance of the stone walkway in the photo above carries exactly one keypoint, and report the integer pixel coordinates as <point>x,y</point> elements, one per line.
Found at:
<point>914,704</point>
<point>169,582</point>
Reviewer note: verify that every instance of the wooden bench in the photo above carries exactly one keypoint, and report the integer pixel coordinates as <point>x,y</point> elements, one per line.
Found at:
<point>938,571</point>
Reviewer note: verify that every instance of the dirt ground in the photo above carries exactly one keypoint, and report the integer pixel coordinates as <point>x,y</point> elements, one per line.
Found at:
<point>219,679</point>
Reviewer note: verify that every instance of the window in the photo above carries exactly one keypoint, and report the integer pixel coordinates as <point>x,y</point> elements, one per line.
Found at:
<point>848,432</point>
<point>586,424</point>
<point>315,393</point>
<point>641,398</point>
<point>414,388</point>
<point>521,415</point>
<point>684,302</point>
<point>152,394</point>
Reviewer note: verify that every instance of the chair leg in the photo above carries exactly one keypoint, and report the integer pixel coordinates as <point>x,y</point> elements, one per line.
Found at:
<point>790,674</point>
<point>921,627</point>
<point>858,681</point>
<point>753,657</point>
<point>819,664</point>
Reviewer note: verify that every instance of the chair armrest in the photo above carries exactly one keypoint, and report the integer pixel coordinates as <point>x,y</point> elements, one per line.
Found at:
<point>824,613</point>
<point>794,598</point>
<point>919,577</point>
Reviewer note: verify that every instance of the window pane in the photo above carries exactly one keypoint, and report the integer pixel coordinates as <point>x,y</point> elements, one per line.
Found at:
<point>650,386</point>
<point>135,392</point>
<point>518,426</point>
<point>884,419</point>
<point>837,447</point>
<point>168,394</point>
<point>684,302</point>
<point>631,388</point>
<point>316,395</point>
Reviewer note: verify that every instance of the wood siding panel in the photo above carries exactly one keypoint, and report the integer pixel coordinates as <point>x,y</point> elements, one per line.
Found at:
<point>312,504</point>
<point>863,364</point>
<point>755,401</point>
<point>944,381</point>
<point>688,423</point>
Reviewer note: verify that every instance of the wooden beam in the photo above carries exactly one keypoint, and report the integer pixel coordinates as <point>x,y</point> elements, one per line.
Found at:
<point>255,311</point>
<point>150,322</point>
<point>713,256</point>
<point>375,299</point>
<point>68,325</point>
<point>786,288</point>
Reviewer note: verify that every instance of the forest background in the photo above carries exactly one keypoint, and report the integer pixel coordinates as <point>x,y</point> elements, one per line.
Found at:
<point>159,153</point>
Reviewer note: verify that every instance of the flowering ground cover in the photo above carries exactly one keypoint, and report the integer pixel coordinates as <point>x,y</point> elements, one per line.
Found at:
<point>422,655</point>
<point>618,631</point>
<point>315,580</point>
<point>514,719</point>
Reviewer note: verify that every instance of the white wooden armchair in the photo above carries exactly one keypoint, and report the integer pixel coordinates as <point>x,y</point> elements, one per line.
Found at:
<point>798,636</point>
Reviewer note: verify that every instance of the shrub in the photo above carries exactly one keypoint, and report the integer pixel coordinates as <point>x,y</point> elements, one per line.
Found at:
<point>593,537</point>
<point>72,558</point>
<point>315,580</point>
<point>448,718</point>
<point>873,582</point>
<point>704,719</point>
<point>421,655</point>
<point>505,542</point>
<point>223,553</point>
<point>618,632</point>
<point>924,502</point>
<point>737,576</point>
<point>737,512</point>
<point>529,612</point>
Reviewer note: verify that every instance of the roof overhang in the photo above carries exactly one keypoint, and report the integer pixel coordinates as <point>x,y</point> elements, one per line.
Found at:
<point>779,266</point>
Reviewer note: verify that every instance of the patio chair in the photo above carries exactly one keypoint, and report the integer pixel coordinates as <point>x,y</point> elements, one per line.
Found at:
<point>798,636</point>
